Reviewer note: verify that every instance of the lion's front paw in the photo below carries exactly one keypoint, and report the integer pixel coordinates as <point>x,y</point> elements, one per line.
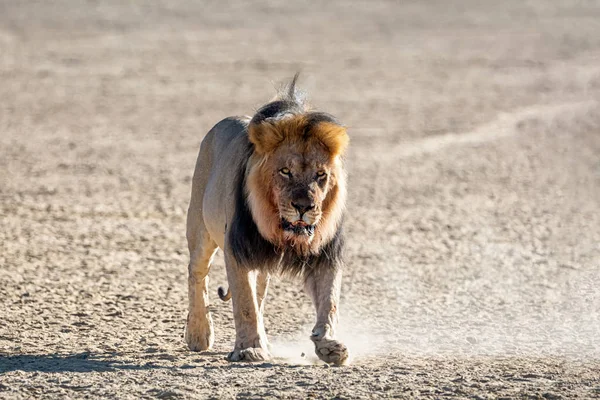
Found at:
<point>329,350</point>
<point>199,334</point>
<point>250,354</point>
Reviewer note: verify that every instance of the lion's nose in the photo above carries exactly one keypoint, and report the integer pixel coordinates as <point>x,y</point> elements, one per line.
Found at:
<point>303,205</point>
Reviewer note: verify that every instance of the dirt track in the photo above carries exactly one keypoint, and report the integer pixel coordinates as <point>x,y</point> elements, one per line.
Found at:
<point>474,237</point>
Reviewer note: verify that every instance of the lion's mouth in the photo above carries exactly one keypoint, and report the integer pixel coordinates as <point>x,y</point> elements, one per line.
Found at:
<point>298,227</point>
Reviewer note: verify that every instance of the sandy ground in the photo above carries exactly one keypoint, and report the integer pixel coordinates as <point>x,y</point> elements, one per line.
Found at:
<point>474,236</point>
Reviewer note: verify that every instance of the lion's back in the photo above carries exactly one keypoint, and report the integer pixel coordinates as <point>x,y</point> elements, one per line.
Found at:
<point>222,153</point>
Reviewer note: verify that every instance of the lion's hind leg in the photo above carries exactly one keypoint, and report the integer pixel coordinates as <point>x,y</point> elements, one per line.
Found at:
<point>199,333</point>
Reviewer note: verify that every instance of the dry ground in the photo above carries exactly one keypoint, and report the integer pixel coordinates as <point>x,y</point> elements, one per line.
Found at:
<point>473,258</point>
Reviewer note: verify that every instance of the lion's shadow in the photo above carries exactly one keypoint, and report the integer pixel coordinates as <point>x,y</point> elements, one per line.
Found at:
<point>109,362</point>
<point>80,362</point>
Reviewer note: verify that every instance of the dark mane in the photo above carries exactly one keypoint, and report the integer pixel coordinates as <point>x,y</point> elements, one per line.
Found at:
<point>275,110</point>
<point>247,245</point>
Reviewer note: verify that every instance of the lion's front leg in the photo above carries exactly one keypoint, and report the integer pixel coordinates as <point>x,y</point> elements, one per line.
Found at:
<point>262,285</point>
<point>251,339</point>
<point>324,288</point>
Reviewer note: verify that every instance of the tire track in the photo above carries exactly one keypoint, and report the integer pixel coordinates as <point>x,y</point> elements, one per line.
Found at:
<point>504,125</point>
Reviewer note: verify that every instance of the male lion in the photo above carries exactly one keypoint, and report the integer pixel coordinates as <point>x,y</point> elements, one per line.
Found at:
<point>270,191</point>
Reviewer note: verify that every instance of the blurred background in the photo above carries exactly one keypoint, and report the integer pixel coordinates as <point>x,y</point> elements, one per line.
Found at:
<point>474,206</point>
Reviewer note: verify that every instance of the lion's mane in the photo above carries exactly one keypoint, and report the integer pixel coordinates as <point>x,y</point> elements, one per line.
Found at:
<point>255,236</point>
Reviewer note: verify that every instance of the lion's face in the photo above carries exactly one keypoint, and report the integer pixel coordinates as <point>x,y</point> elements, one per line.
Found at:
<point>296,182</point>
<point>301,182</point>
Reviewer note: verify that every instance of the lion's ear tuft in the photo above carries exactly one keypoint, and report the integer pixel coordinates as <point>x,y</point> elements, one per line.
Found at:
<point>265,137</point>
<point>333,136</point>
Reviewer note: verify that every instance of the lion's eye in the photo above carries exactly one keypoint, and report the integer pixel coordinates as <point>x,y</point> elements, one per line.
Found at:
<point>321,174</point>
<point>285,171</point>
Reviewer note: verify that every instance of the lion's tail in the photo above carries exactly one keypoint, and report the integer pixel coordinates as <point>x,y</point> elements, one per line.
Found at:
<point>290,93</point>
<point>225,296</point>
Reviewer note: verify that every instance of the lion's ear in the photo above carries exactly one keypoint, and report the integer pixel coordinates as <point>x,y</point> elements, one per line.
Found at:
<point>265,137</point>
<point>333,136</point>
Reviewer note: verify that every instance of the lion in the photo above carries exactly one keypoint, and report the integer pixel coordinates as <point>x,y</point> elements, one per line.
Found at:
<point>270,191</point>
